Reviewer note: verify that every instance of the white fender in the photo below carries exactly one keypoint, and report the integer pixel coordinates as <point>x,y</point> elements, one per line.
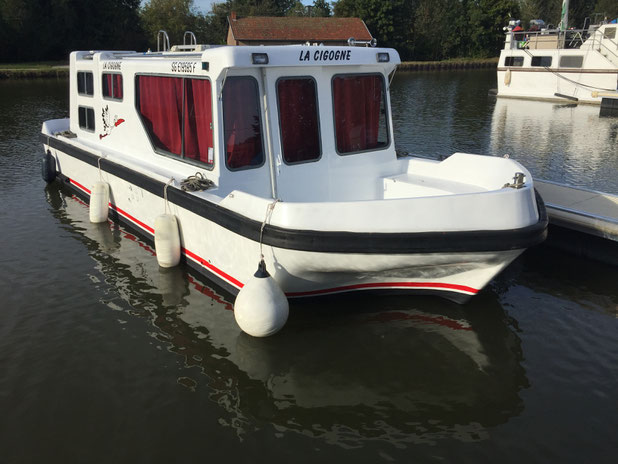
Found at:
<point>507,77</point>
<point>261,308</point>
<point>167,240</point>
<point>99,202</point>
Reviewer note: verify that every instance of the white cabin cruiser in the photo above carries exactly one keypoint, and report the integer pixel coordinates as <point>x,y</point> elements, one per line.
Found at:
<point>577,65</point>
<point>296,143</point>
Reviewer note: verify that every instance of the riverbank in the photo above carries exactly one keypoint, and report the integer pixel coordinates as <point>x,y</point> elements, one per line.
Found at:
<point>39,70</point>
<point>463,63</point>
<point>33,70</point>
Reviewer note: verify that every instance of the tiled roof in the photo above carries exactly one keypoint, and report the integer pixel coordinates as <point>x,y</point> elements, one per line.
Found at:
<point>298,28</point>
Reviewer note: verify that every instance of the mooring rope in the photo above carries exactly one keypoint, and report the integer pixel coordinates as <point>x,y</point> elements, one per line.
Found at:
<point>196,182</point>
<point>167,210</point>
<point>269,212</point>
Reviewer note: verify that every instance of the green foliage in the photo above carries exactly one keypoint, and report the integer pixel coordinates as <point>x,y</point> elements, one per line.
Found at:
<point>173,16</point>
<point>418,29</point>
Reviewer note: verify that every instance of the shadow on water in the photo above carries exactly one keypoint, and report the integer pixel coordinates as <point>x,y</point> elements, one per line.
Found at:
<point>344,370</point>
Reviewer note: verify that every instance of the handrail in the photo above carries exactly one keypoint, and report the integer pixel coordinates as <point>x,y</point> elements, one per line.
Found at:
<point>192,39</point>
<point>162,35</point>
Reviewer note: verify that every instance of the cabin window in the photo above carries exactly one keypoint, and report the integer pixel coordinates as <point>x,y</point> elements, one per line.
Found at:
<point>513,61</point>
<point>544,61</point>
<point>177,114</point>
<point>360,113</point>
<point>298,119</point>
<point>571,61</point>
<point>610,33</point>
<point>85,83</point>
<point>112,86</point>
<point>86,118</point>
<point>242,126</point>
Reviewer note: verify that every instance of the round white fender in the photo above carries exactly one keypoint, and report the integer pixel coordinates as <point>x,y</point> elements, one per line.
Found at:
<point>167,240</point>
<point>99,202</point>
<point>261,308</point>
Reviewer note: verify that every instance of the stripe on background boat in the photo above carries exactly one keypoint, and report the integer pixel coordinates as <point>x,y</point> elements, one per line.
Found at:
<point>346,288</point>
<point>472,241</point>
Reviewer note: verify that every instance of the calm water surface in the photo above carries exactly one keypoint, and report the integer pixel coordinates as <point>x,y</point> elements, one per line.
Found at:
<point>105,358</point>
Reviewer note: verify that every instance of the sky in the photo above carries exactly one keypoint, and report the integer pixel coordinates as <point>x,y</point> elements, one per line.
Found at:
<point>204,5</point>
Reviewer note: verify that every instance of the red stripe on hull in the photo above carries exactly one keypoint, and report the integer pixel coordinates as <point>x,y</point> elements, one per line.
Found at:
<point>382,285</point>
<point>346,288</point>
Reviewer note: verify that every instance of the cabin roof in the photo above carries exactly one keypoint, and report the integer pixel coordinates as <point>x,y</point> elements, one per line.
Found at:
<point>268,28</point>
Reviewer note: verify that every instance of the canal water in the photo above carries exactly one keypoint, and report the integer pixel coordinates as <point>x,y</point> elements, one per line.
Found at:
<point>105,358</point>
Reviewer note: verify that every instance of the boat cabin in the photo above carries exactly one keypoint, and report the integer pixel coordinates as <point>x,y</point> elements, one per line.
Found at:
<point>282,121</point>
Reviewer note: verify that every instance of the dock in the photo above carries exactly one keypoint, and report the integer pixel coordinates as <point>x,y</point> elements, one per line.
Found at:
<point>582,221</point>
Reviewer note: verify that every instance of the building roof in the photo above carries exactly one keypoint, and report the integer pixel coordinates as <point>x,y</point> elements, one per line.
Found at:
<point>298,28</point>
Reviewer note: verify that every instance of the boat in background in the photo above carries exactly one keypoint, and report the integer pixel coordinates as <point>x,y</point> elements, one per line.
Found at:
<point>296,165</point>
<point>577,65</point>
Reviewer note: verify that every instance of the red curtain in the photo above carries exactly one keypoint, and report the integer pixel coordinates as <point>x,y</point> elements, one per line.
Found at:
<point>160,103</point>
<point>117,86</point>
<point>198,119</point>
<point>112,85</point>
<point>298,116</point>
<point>357,101</point>
<point>241,123</point>
<point>107,85</point>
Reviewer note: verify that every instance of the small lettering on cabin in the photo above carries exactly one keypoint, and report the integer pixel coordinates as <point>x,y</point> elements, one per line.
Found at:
<point>325,55</point>
<point>184,66</point>
<point>112,66</point>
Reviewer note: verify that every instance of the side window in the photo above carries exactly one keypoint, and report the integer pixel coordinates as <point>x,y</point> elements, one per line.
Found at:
<point>177,114</point>
<point>112,86</point>
<point>85,83</point>
<point>360,113</point>
<point>242,125</point>
<point>513,61</point>
<point>610,33</point>
<point>86,118</point>
<point>544,61</point>
<point>298,119</point>
<point>570,61</point>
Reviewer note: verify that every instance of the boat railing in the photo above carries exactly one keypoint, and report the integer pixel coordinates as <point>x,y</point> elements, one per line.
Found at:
<point>563,39</point>
<point>163,41</point>
<point>192,39</point>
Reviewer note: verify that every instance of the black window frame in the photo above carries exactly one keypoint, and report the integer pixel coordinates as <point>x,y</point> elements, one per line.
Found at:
<point>317,109</point>
<point>227,80</point>
<point>111,96</point>
<point>571,57</point>
<point>514,61</point>
<point>386,113</point>
<point>169,154</point>
<point>85,116</point>
<point>85,83</point>
<point>541,61</point>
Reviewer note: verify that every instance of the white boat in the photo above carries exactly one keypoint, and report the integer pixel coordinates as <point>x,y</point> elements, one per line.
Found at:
<point>578,65</point>
<point>297,145</point>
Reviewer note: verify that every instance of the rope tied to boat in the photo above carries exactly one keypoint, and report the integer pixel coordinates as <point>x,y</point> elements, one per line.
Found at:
<point>99,165</point>
<point>269,212</point>
<point>167,209</point>
<point>196,182</point>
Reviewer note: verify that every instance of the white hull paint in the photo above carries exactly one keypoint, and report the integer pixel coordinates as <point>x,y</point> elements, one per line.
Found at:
<point>231,258</point>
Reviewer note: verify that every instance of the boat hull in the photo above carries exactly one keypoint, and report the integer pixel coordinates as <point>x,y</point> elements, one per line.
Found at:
<point>226,247</point>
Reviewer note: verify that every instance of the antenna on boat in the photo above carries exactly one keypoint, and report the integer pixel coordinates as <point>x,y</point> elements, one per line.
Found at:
<point>164,40</point>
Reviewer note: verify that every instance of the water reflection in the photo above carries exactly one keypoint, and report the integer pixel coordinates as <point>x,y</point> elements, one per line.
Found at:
<point>346,370</point>
<point>564,143</point>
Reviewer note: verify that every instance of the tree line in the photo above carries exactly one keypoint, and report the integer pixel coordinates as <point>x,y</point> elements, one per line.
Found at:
<point>44,30</point>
